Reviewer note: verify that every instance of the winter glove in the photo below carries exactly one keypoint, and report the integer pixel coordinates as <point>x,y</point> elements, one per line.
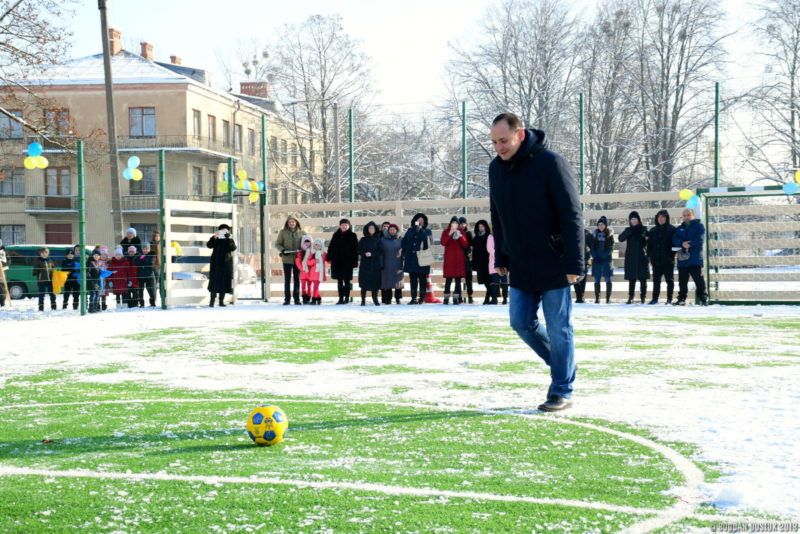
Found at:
<point>130,284</point>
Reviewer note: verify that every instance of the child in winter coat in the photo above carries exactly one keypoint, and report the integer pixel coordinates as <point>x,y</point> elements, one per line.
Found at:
<point>300,257</point>
<point>93,268</point>
<point>72,267</point>
<point>454,242</point>
<point>43,272</point>
<point>370,263</point>
<point>314,267</point>
<point>498,281</point>
<point>602,250</point>
<point>134,292</point>
<point>118,281</point>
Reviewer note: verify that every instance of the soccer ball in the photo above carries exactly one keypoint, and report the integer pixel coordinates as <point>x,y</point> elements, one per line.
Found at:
<point>267,425</point>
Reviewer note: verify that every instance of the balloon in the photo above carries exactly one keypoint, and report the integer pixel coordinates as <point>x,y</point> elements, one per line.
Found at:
<point>137,175</point>
<point>29,163</point>
<point>127,174</point>
<point>242,174</point>
<point>41,162</point>
<point>790,188</point>
<point>260,186</point>
<point>35,149</point>
<point>693,203</point>
<point>133,162</point>
<point>253,186</point>
<point>686,194</point>
<point>240,184</point>
<point>253,197</point>
<point>222,187</point>
<point>797,176</point>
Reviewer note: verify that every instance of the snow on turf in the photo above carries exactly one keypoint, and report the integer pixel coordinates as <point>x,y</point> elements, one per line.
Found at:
<point>745,420</point>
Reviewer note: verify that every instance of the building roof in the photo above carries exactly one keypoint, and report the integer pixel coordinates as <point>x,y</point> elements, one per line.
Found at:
<point>127,68</point>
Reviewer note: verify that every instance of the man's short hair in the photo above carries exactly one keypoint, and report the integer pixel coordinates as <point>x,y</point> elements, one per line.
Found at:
<point>43,249</point>
<point>689,209</point>
<point>512,120</point>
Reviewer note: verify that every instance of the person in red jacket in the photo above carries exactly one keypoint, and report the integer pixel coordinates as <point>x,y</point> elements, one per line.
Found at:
<point>117,282</point>
<point>315,265</point>
<point>454,242</point>
<point>134,293</point>
<point>305,281</point>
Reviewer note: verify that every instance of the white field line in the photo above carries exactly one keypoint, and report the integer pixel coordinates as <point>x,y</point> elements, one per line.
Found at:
<point>687,496</point>
<point>366,487</point>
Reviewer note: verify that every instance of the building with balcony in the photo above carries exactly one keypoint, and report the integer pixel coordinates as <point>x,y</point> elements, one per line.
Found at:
<point>158,106</point>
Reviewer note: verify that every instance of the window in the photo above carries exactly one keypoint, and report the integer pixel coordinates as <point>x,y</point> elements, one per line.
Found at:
<point>226,133</point>
<point>237,137</point>
<point>197,181</point>
<point>58,120</point>
<point>294,155</point>
<point>147,185</point>
<point>58,234</point>
<point>196,123</point>
<point>295,196</point>
<point>212,127</point>
<point>251,141</point>
<point>284,152</point>
<point>9,128</point>
<point>12,182</point>
<point>57,182</point>
<point>212,180</point>
<point>285,196</point>
<point>142,122</point>
<point>273,149</point>
<point>144,230</point>
<point>274,197</point>
<point>12,234</point>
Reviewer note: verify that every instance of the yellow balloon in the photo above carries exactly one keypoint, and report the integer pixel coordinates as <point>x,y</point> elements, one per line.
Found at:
<point>253,197</point>
<point>240,184</point>
<point>41,162</point>
<point>222,187</point>
<point>686,194</point>
<point>253,186</point>
<point>137,175</point>
<point>30,163</point>
<point>242,174</point>
<point>797,176</point>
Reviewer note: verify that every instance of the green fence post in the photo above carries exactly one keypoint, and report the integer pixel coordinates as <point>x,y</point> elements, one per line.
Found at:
<point>262,209</point>
<point>464,152</point>
<point>83,258</point>
<point>162,251</point>
<point>351,163</point>
<point>716,173</point>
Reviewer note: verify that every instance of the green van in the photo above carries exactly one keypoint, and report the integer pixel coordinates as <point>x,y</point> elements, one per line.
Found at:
<point>21,283</point>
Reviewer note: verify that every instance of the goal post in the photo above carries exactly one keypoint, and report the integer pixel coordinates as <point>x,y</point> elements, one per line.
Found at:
<point>752,245</point>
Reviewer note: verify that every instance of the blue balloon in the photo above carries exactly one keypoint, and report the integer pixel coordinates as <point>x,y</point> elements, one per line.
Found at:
<point>35,149</point>
<point>260,186</point>
<point>133,162</point>
<point>790,188</point>
<point>127,174</point>
<point>693,203</point>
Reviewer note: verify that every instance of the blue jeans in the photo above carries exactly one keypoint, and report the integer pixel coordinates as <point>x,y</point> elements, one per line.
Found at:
<point>554,343</point>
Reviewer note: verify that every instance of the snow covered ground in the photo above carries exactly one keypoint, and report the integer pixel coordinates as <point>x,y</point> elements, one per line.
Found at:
<point>741,417</point>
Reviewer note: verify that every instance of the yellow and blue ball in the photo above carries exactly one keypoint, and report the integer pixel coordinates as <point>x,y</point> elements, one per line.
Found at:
<point>267,425</point>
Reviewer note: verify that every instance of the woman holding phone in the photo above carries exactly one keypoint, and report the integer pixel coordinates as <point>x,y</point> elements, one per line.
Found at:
<point>220,277</point>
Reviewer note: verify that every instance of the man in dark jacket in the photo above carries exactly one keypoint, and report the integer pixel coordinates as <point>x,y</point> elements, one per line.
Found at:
<point>43,267</point>
<point>662,257</point>
<point>539,238</point>
<point>689,236</point>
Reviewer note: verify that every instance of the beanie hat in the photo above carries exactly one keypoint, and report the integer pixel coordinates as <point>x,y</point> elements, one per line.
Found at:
<point>344,221</point>
<point>117,250</point>
<point>69,250</point>
<point>104,250</point>
<point>131,231</point>
<point>145,244</point>
<point>131,249</point>
<point>393,225</point>
<point>224,226</point>
<point>634,214</point>
<point>462,220</point>
<point>603,220</point>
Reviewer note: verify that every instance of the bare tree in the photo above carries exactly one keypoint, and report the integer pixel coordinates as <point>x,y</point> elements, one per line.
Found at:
<point>678,49</point>
<point>612,123</point>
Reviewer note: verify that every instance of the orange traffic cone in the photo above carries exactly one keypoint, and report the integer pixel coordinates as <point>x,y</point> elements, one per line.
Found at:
<point>430,298</point>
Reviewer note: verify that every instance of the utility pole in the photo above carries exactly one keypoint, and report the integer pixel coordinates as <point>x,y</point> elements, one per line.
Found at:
<point>116,199</point>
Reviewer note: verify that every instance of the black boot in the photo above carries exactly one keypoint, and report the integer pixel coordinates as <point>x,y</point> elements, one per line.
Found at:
<point>495,290</point>
<point>470,300</point>
<point>505,293</point>
<point>222,300</point>
<point>457,299</point>
<point>643,288</point>
<point>211,300</point>
<point>446,299</point>
<point>608,292</point>
<point>306,299</point>
<point>487,296</point>
<point>597,292</point>
<point>630,298</point>
<point>375,298</point>
<point>398,295</point>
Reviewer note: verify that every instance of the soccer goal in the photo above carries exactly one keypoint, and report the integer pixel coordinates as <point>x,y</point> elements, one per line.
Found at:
<point>753,238</point>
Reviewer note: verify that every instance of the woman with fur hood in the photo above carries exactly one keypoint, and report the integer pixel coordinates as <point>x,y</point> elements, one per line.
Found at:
<point>312,266</point>
<point>343,257</point>
<point>602,250</point>
<point>392,273</point>
<point>454,242</point>
<point>418,237</point>
<point>662,258</point>
<point>480,257</point>
<point>302,255</point>
<point>636,267</point>
<point>370,264</point>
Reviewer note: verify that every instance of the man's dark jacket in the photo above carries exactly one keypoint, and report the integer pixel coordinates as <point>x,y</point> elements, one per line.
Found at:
<point>537,221</point>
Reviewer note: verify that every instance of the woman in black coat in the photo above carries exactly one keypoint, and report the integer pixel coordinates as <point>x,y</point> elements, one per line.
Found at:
<point>417,237</point>
<point>480,256</point>
<point>636,266</point>
<point>343,257</point>
<point>370,255</point>
<point>220,276</point>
